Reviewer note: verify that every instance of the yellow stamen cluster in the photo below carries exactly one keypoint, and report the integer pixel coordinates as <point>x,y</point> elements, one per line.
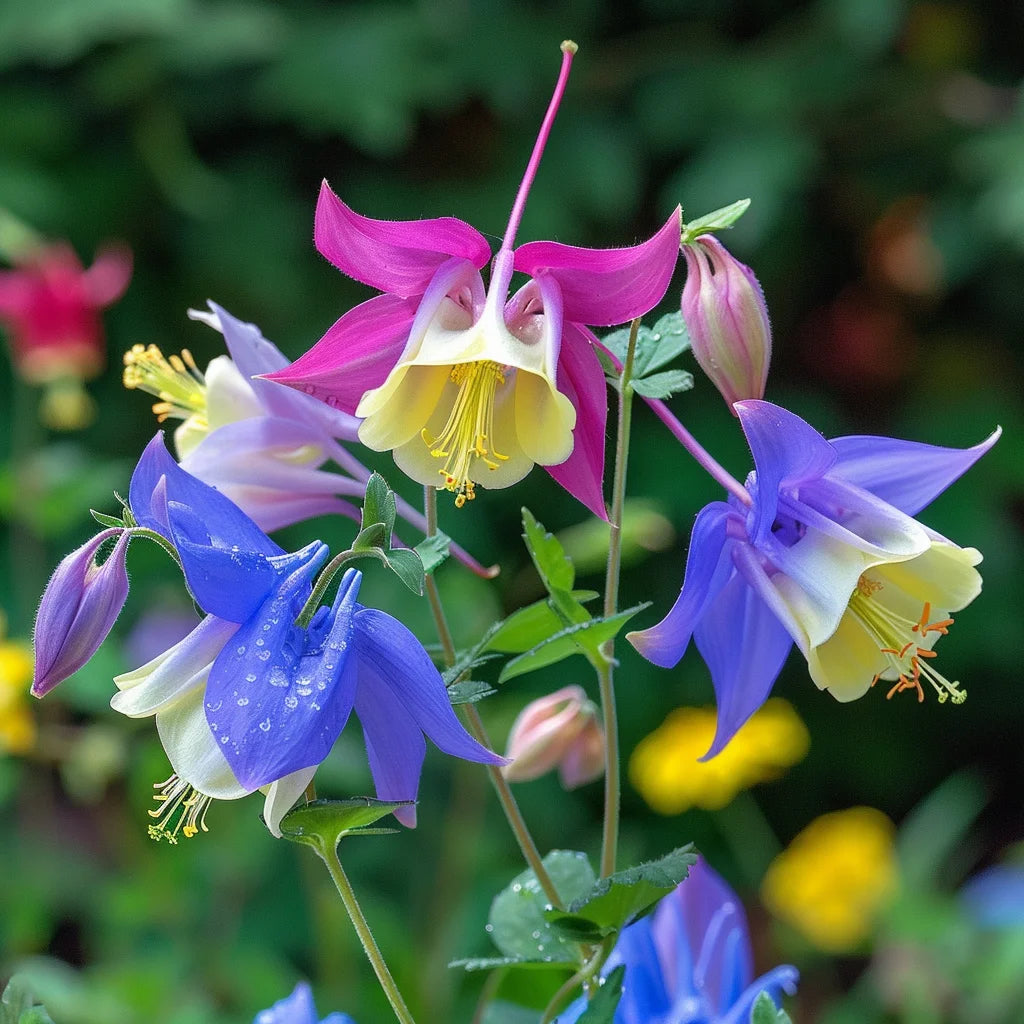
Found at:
<point>902,640</point>
<point>176,381</point>
<point>469,429</point>
<point>182,809</point>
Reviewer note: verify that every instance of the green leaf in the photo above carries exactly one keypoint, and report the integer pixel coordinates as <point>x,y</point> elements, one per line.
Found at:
<point>470,691</point>
<point>433,551</point>
<point>406,565</point>
<point>620,899</point>
<point>484,963</point>
<point>764,1012</point>
<point>15,1001</point>
<point>37,1015</point>
<point>105,520</point>
<point>531,625</point>
<point>502,1012</point>
<point>583,638</point>
<point>379,505</point>
<point>372,536</point>
<point>664,384</point>
<point>555,568</point>
<point>601,1009</point>
<point>717,220</point>
<point>517,923</point>
<point>324,823</point>
<point>668,338</point>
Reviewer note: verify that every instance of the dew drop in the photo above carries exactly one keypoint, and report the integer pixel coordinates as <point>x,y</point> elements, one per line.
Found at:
<point>250,677</point>
<point>215,706</point>
<point>225,738</point>
<point>260,641</point>
<point>241,648</point>
<point>265,725</point>
<point>243,701</point>
<point>263,655</point>
<point>291,701</point>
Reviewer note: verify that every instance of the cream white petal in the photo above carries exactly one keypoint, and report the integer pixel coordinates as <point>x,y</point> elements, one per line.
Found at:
<point>282,795</point>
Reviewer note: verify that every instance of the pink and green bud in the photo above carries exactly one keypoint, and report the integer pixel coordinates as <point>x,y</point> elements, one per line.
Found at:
<point>725,312</point>
<point>559,731</point>
<point>79,606</point>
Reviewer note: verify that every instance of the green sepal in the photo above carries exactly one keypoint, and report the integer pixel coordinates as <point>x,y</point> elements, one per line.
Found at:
<point>655,346</point>
<point>433,551</point>
<point>517,920</point>
<point>617,901</point>
<point>764,1012</point>
<point>583,638</point>
<point>717,220</point>
<point>664,384</point>
<point>470,691</point>
<point>18,1006</point>
<point>108,521</point>
<point>324,823</point>
<point>373,536</point>
<point>601,1009</point>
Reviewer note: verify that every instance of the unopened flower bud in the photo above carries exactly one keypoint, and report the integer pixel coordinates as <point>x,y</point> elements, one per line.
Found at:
<point>725,312</point>
<point>559,731</point>
<point>78,609</point>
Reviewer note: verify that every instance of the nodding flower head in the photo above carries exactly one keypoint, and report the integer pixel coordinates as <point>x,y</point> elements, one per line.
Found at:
<point>468,386</point>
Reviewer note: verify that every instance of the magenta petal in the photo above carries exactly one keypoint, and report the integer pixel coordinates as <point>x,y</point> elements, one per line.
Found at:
<point>394,256</point>
<point>603,287</point>
<point>355,355</point>
<point>106,280</point>
<point>581,380</point>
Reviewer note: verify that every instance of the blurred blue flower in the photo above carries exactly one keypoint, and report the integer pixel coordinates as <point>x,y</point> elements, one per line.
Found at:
<point>298,1008</point>
<point>690,961</point>
<point>826,554</point>
<point>995,897</point>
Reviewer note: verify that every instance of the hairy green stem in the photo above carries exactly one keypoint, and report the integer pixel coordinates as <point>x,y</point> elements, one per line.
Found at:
<point>581,977</point>
<point>476,726</point>
<point>605,675</point>
<point>329,855</point>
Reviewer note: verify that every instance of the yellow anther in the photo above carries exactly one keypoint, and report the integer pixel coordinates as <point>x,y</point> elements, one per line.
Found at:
<point>182,809</point>
<point>468,433</point>
<point>176,381</point>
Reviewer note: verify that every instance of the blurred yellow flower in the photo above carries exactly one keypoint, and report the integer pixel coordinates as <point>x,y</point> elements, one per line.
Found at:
<point>665,769</point>
<point>17,727</point>
<point>834,877</point>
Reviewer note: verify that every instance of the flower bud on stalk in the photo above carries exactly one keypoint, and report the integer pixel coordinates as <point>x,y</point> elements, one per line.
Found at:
<point>559,731</point>
<point>725,312</point>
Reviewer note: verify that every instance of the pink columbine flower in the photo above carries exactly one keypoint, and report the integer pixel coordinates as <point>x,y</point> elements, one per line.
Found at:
<point>460,381</point>
<point>50,306</point>
<point>724,309</point>
<point>559,731</point>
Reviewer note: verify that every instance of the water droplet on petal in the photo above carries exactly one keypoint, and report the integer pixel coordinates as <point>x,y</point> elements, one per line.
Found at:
<point>265,725</point>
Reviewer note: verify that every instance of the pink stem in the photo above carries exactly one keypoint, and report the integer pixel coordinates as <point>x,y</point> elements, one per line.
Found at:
<point>690,443</point>
<point>568,52</point>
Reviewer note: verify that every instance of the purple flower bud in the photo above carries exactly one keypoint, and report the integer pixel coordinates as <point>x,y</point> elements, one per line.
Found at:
<point>725,312</point>
<point>78,609</point>
<point>557,731</point>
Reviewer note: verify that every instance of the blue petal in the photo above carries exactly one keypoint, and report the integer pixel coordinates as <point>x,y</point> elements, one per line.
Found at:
<point>744,645</point>
<point>279,695</point>
<point>395,746</point>
<point>787,451</point>
<point>907,474</point>
<point>392,657</point>
<point>708,567</point>
<point>298,1008</point>
<point>644,997</point>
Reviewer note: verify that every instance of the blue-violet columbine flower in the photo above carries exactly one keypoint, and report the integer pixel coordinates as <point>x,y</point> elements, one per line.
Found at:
<point>298,1008</point>
<point>459,380</point>
<point>826,554</point>
<point>690,961</point>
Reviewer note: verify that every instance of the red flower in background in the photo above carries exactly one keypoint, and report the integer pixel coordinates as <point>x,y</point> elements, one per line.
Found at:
<point>50,307</point>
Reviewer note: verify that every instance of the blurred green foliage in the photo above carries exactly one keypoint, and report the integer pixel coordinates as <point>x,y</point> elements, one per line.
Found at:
<point>882,145</point>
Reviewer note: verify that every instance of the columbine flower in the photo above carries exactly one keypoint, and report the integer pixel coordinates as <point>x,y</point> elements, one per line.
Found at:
<point>690,961</point>
<point>261,445</point>
<point>833,878</point>
<point>559,731</point>
<point>460,381</point>
<point>667,771</point>
<point>50,307</point>
<point>298,1008</point>
<point>994,898</point>
<point>827,555</point>
<point>251,700</point>
<point>724,308</point>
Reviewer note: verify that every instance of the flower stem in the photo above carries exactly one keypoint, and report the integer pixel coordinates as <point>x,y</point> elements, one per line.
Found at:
<point>329,855</point>
<point>605,675</point>
<point>703,457</point>
<point>476,726</point>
